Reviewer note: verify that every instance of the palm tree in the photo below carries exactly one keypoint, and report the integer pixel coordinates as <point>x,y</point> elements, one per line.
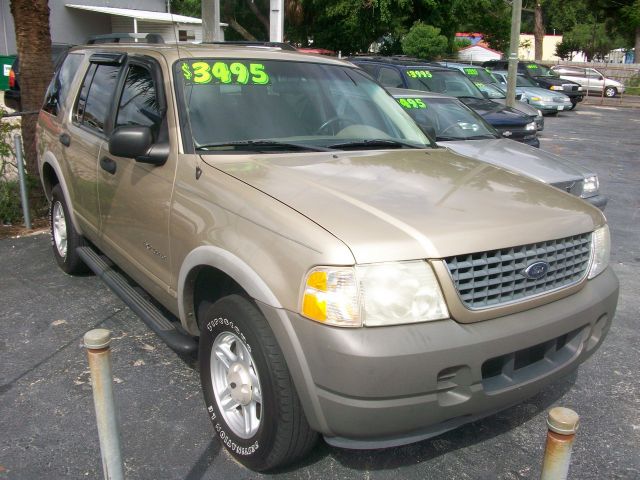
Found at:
<point>33,38</point>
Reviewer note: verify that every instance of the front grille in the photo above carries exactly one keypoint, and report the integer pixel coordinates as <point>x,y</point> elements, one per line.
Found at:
<point>574,187</point>
<point>558,99</point>
<point>496,277</point>
<point>570,88</point>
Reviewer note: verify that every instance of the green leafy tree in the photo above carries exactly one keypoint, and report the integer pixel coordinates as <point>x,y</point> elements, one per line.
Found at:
<point>425,41</point>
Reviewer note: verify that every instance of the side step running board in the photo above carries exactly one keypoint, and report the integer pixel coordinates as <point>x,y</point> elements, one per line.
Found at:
<point>181,342</point>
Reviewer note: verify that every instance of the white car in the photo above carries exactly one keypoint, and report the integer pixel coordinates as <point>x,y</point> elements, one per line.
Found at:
<point>590,79</point>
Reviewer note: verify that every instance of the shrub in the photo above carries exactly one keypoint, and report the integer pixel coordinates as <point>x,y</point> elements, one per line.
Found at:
<point>424,41</point>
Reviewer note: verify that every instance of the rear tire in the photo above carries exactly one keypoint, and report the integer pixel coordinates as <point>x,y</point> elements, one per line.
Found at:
<point>64,237</point>
<point>249,394</point>
<point>610,92</point>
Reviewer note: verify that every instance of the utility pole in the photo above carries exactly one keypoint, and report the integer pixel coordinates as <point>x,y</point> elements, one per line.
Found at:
<point>211,21</point>
<point>516,13</point>
<point>276,21</point>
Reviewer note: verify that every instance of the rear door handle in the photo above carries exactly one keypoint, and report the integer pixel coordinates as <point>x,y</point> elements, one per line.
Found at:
<point>108,165</point>
<point>65,139</point>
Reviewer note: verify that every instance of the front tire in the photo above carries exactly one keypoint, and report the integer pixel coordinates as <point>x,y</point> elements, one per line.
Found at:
<point>610,92</point>
<point>573,105</point>
<point>249,394</point>
<point>64,237</point>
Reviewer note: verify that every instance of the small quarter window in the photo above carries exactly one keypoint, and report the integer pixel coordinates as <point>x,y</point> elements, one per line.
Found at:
<point>390,78</point>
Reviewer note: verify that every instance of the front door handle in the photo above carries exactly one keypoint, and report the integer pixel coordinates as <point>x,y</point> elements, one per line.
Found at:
<point>65,139</point>
<point>108,165</point>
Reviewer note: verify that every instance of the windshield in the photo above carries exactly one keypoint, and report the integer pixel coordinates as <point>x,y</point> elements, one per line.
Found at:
<point>492,91</point>
<point>538,70</point>
<point>446,118</point>
<point>450,82</point>
<point>268,105</point>
<point>522,81</point>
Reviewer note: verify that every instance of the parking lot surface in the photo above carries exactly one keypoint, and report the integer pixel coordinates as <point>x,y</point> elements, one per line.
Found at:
<point>47,422</point>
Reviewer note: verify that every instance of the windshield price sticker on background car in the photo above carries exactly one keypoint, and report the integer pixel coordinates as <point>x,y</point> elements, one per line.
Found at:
<point>419,73</point>
<point>412,103</point>
<point>471,71</point>
<point>532,66</point>
<point>479,84</point>
<point>201,72</point>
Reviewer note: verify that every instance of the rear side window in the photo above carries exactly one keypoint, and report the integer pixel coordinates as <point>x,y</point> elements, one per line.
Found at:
<point>96,96</point>
<point>58,90</point>
<point>390,77</point>
<point>138,103</point>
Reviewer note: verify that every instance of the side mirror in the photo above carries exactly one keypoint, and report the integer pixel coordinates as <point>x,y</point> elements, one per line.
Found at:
<point>137,142</point>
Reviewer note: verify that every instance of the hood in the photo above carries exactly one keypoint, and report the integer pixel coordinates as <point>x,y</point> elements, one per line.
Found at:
<point>542,93</point>
<point>496,114</point>
<point>522,107</point>
<point>555,81</point>
<point>521,158</point>
<point>410,204</point>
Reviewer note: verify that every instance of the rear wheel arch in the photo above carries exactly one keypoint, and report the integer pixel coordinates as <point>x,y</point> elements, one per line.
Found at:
<point>51,176</point>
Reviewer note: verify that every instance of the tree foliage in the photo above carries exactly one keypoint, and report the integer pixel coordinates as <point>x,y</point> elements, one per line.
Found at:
<point>353,25</point>
<point>424,41</point>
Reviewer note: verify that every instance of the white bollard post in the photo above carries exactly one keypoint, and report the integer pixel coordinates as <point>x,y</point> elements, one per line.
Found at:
<point>97,344</point>
<point>563,425</point>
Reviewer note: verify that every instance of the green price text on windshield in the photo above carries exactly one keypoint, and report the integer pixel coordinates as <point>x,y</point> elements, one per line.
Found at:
<point>419,73</point>
<point>532,66</point>
<point>201,72</point>
<point>410,103</point>
<point>471,71</point>
<point>479,84</point>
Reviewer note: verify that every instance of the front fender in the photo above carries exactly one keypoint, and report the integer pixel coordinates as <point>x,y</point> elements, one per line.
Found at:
<point>230,264</point>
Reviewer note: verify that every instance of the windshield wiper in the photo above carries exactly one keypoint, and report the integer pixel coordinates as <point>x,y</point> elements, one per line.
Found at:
<point>262,144</point>
<point>374,143</point>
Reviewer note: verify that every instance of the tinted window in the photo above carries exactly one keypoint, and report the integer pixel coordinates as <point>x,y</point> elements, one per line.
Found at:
<point>98,100</point>
<point>138,103</point>
<point>370,69</point>
<point>59,87</point>
<point>390,78</point>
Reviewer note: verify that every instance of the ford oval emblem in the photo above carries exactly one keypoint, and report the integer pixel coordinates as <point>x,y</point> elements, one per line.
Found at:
<point>536,270</point>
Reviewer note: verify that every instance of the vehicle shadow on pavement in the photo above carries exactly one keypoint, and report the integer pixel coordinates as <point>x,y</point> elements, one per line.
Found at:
<point>473,433</point>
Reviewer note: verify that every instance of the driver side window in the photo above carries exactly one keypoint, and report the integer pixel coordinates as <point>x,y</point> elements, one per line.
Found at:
<point>139,103</point>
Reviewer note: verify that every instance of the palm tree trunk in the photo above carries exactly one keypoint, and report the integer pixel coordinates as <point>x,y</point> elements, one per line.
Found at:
<point>33,39</point>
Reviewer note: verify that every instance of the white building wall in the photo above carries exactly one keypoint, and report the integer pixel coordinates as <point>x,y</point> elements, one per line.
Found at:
<point>477,54</point>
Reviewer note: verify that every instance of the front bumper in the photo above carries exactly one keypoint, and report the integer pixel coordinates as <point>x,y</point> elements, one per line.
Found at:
<point>387,386</point>
<point>550,106</point>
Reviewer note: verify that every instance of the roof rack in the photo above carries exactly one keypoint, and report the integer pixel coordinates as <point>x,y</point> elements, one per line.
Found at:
<point>126,38</point>
<point>250,43</point>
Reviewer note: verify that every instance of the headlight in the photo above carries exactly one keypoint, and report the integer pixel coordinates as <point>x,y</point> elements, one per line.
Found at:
<point>579,89</point>
<point>530,126</point>
<point>556,87</point>
<point>590,185</point>
<point>600,251</point>
<point>373,295</point>
<point>540,113</point>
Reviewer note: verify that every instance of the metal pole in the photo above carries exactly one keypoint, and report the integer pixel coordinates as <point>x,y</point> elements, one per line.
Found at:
<point>17,141</point>
<point>513,52</point>
<point>211,31</point>
<point>276,21</point>
<point>563,425</point>
<point>97,344</point>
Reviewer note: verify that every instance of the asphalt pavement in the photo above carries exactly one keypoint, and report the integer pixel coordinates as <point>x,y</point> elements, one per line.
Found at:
<point>47,424</point>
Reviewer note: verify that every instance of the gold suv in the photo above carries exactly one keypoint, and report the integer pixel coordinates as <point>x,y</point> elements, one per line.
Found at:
<point>345,276</point>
